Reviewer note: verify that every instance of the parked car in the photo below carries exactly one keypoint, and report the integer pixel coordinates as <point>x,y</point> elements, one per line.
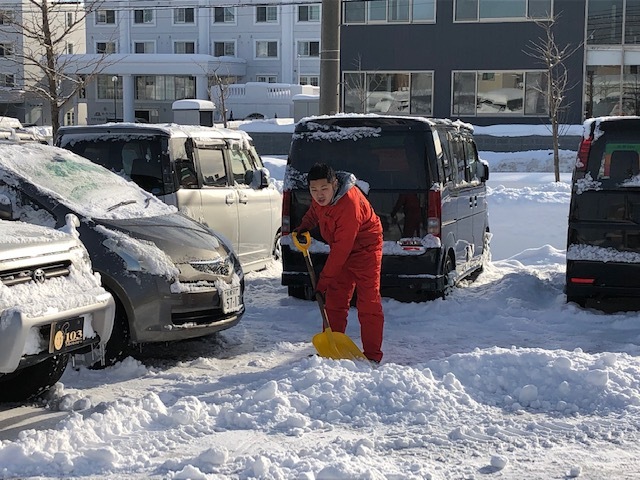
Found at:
<point>603,240</point>
<point>172,278</point>
<point>51,306</point>
<point>214,175</point>
<point>423,178</point>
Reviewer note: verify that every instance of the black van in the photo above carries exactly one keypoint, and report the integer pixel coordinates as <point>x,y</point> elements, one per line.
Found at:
<point>423,178</point>
<point>603,240</point>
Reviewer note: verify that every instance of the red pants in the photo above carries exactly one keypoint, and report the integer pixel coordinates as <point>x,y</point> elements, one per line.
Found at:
<point>361,272</point>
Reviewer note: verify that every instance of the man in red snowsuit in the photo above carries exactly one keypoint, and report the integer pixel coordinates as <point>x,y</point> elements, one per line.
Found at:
<point>353,231</point>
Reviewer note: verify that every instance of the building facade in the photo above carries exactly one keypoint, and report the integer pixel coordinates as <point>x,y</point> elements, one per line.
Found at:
<point>20,23</point>
<point>188,48</point>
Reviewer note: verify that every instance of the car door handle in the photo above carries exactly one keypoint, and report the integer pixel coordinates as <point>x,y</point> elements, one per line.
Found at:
<point>473,201</point>
<point>230,199</point>
<point>244,198</point>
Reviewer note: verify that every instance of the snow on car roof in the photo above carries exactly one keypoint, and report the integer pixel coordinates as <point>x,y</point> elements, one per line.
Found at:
<point>86,188</point>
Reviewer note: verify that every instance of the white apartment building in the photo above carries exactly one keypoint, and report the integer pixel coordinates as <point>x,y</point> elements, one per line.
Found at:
<point>160,53</point>
<point>17,76</point>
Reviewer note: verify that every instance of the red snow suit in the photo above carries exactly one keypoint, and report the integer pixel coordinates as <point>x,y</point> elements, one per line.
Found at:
<point>354,232</point>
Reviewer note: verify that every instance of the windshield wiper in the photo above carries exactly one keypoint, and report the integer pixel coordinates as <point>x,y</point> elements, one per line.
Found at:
<point>121,204</point>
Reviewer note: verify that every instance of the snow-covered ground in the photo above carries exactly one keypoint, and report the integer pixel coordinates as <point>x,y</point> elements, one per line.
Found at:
<point>502,380</point>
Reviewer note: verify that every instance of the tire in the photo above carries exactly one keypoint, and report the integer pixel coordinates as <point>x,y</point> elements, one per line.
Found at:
<point>449,280</point>
<point>32,381</point>
<point>297,291</point>
<point>118,347</point>
<point>276,253</point>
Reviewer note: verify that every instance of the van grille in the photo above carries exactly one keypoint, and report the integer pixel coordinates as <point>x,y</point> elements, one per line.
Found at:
<point>38,274</point>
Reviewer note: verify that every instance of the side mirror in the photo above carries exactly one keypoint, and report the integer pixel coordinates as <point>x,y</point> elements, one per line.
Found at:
<point>257,179</point>
<point>482,170</point>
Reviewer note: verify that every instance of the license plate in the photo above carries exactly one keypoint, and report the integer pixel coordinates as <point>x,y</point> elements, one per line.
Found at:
<point>66,334</point>
<point>230,299</point>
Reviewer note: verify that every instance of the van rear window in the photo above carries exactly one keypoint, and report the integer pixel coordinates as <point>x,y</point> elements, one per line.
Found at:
<point>619,161</point>
<point>388,160</point>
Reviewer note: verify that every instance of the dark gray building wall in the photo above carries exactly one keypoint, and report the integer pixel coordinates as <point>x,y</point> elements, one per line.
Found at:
<point>446,46</point>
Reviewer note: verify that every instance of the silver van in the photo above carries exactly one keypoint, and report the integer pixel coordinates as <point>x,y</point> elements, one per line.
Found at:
<point>213,175</point>
<point>172,278</point>
<point>52,305</point>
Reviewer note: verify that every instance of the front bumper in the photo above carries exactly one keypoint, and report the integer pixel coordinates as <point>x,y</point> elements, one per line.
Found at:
<point>98,317</point>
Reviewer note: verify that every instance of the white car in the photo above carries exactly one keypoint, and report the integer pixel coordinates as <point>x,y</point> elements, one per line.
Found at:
<point>52,305</point>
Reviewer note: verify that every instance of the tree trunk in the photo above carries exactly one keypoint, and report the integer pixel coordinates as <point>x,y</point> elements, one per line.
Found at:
<point>556,154</point>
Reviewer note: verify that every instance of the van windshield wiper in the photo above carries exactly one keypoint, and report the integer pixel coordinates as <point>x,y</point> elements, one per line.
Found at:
<point>120,204</point>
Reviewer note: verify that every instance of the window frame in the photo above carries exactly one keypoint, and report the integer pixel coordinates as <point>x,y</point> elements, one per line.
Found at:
<point>175,18</point>
<point>224,43</point>
<point>144,42</point>
<point>479,19</point>
<point>185,43</point>
<point>307,77</point>
<point>308,42</point>
<point>144,11</point>
<point>308,14</point>
<point>106,49</point>
<point>267,76</point>
<point>267,9</point>
<point>107,12</point>
<point>224,15</point>
<point>255,50</point>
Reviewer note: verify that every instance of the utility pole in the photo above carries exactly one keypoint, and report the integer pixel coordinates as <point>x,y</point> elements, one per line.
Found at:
<point>329,57</point>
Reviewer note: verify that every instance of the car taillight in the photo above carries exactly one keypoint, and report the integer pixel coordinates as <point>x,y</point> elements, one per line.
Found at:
<point>434,213</point>
<point>286,209</point>
<point>583,154</point>
<point>582,280</point>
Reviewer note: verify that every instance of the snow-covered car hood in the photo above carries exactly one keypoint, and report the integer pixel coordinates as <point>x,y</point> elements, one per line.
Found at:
<point>180,237</point>
<point>33,240</point>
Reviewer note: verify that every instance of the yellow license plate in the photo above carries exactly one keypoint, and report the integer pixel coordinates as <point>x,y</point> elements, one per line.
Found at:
<point>66,334</point>
<point>230,299</point>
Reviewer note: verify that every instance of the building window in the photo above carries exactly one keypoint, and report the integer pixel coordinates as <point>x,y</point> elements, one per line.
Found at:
<point>603,84</point>
<point>70,118</point>
<point>183,15</point>
<point>224,49</point>
<point>224,15</point>
<point>309,80</point>
<point>143,16</point>
<point>144,47</point>
<point>267,78</point>
<point>6,17</point>
<point>492,10</point>
<point>106,47</point>
<point>309,13</point>
<point>70,19</point>
<point>393,11</point>
<point>107,88</point>
<point>266,49</point>
<point>7,80</point>
<point>164,87</point>
<point>184,47</point>
<point>105,17</point>
<point>6,49</point>
<point>393,92</point>
<point>69,48</point>
<point>309,49</point>
<point>267,14</point>
<point>514,93</point>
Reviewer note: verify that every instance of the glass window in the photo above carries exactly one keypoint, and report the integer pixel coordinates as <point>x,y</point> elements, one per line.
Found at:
<point>159,87</point>
<point>105,47</point>
<point>632,22</point>
<point>464,93</point>
<point>539,9</point>
<point>241,163</point>
<point>466,10</point>
<point>387,92</point>
<point>143,16</point>
<point>6,17</point>
<point>144,47</point>
<point>355,92</point>
<point>267,14</point>
<point>535,93</point>
<point>183,15</point>
<point>309,13</point>
<point>423,10</point>
<point>212,167</point>
<point>224,15</point>
<point>309,80</point>
<point>354,11</point>
<point>398,10</point>
<point>503,8</point>
<point>107,88</point>
<point>266,49</point>
<point>604,22</point>
<point>7,80</point>
<point>631,90</point>
<point>602,90</point>
<point>105,17</point>
<point>267,78</point>
<point>503,93</point>
<point>421,93</point>
<point>184,47</point>
<point>309,49</point>
<point>224,49</point>
<point>377,10</point>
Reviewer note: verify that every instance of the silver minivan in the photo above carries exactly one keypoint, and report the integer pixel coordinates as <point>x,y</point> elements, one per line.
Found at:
<point>213,175</point>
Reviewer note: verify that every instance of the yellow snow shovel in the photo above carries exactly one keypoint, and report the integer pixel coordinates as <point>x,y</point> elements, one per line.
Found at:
<point>329,344</point>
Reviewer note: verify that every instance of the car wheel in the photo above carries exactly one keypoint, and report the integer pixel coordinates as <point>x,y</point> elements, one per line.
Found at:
<point>32,381</point>
<point>118,347</point>
<point>449,277</point>
<point>276,253</point>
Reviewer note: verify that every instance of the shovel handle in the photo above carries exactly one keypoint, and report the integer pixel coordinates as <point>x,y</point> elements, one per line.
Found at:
<point>302,241</point>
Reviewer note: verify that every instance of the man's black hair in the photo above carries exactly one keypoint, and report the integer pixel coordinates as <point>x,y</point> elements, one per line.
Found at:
<point>321,171</point>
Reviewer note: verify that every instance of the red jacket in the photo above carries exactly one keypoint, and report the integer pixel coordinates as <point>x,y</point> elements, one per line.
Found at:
<point>348,224</point>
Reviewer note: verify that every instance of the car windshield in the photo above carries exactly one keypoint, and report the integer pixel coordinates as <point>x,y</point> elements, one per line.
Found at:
<point>86,188</point>
<point>389,160</point>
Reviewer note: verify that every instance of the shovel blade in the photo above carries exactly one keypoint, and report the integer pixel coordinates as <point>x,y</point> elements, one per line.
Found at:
<point>336,345</point>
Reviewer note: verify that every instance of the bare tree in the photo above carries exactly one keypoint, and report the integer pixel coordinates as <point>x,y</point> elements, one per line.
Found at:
<point>219,91</point>
<point>553,56</point>
<point>356,87</point>
<point>46,28</point>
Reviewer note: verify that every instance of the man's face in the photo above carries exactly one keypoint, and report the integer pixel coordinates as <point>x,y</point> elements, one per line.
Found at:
<point>322,190</point>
